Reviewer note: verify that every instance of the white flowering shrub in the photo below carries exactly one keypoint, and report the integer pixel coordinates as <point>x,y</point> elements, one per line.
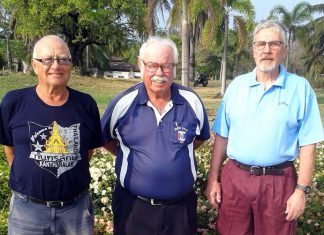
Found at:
<point>103,179</point>
<point>103,175</point>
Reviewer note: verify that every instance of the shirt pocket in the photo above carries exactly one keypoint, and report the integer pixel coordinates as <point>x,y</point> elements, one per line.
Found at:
<point>183,133</point>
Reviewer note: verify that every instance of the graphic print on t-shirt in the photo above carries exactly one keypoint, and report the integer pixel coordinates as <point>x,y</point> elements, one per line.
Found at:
<point>54,148</point>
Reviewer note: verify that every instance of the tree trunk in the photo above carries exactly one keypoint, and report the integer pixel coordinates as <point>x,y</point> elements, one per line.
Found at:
<point>149,17</point>
<point>185,45</point>
<point>224,57</point>
<point>288,51</point>
<point>192,63</point>
<point>9,59</point>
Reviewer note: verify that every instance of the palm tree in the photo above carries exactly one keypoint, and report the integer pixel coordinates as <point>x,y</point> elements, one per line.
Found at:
<point>185,44</point>
<point>196,20</point>
<point>6,25</point>
<point>243,8</point>
<point>211,19</point>
<point>292,20</point>
<point>151,17</point>
<point>314,42</point>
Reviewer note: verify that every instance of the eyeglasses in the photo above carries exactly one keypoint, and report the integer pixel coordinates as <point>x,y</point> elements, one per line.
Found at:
<point>153,67</point>
<point>274,45</point>
<point>50,61</point>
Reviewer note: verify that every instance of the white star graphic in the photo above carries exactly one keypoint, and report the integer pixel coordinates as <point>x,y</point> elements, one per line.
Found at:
<point>43,136</point>
<point>38,146</point>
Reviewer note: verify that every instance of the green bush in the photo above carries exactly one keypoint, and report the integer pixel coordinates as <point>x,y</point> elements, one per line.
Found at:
<point>4,192</point>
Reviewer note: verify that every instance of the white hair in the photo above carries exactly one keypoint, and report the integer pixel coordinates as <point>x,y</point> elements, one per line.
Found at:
<point>274,25</point>
<point>162,41</point>
<point>38,44</point>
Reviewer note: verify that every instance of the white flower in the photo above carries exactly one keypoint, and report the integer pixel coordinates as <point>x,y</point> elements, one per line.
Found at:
<point>104,200</point>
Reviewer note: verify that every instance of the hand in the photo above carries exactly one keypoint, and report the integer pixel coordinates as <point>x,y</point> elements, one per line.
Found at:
<point>213,192</point>
<point>295,205</point>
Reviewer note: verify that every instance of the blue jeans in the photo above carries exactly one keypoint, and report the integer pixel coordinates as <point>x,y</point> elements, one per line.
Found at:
<point>29,218</point>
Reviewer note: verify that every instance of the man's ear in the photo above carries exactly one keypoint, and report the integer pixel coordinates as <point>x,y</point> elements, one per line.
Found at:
<point>139,63</point>
<point>34,65</point>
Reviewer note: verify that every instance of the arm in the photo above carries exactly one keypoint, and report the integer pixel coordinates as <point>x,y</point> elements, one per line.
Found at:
<point>111,147</point>
<point>197,143</point>
<point>9,152</point>
<point>90,152</point>
<point>296,202</point>
<point>213,191</point>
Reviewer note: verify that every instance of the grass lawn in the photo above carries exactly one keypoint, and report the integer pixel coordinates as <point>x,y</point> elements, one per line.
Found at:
<point>103,90</point>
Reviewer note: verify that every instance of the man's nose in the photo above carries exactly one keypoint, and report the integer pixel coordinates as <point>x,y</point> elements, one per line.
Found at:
<point>159,70</point>
<point>267,48</point>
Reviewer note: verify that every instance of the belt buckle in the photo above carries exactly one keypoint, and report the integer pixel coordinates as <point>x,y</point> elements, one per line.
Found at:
<point>153,203</point>
<point>256,170</point>
<point>54,204</point>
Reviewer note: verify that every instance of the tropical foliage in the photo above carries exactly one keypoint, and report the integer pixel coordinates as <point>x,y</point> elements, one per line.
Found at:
<point>293,20</point>
<point>93,22</point>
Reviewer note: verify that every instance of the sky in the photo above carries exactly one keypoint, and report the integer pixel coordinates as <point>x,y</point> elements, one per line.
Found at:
<point>263,7</point>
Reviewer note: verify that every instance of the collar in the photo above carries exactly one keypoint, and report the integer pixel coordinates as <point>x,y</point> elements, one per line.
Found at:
<point>280,81</point>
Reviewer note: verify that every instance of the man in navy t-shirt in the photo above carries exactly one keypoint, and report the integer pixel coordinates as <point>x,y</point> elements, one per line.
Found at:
<point>154,128</point>
<point>49,131</point>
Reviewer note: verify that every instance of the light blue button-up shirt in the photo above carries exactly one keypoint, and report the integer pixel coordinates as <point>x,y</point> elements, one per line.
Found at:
<point>266,128</point>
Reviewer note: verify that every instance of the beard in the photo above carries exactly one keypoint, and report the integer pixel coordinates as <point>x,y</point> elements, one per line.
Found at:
<point>266,66</point>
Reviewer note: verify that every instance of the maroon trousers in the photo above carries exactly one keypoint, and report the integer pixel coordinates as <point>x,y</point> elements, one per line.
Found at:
<point>255,205</point>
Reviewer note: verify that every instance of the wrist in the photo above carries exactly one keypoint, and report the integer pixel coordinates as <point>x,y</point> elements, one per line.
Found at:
<point>304,188</point>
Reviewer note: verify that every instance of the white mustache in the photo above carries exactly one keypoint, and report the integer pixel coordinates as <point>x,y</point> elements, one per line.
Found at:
<point>159,79</point>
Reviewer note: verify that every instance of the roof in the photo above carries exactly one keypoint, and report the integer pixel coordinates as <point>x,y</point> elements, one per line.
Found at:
<point>122,66</point>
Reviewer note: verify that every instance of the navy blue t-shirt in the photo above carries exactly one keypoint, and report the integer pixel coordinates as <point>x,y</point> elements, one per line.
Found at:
<point>51,143</point>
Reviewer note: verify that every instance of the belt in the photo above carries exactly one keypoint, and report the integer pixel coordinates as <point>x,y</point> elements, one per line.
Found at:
<point>260,170</point>
<point>158,202</point>
<point>54,204</point>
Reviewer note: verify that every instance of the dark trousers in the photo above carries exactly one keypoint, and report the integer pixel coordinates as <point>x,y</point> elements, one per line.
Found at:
<point>133,216</point>
<point>255,205</point>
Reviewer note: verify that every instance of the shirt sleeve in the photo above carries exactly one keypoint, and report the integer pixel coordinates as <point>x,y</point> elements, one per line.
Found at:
<point>311,129</point>
<point>5,129</point>
<point>221,124</point>
<point>97,139</point>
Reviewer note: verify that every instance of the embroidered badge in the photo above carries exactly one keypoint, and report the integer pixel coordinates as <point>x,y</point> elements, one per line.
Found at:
<point>181,133</point>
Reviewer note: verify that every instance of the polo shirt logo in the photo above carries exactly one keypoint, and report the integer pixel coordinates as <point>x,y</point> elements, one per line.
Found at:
<point>283,103</point>
<point>181,136</point>
<point>181,132</point>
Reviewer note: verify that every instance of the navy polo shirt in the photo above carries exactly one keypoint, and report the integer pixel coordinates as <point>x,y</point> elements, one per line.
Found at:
<point>155,156</point>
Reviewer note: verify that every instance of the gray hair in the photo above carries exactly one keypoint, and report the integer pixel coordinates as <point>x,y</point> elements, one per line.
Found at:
<point>46,38</point>
<point>275,25</point>
<point>162,41</point>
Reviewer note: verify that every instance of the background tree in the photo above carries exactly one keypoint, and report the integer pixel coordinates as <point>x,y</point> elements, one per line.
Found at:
<point>292,20</point>
<point>80,22</point>
<point>314,42</point>
<point>243,16</point>
<point>151,17</point>
<point>185,44</point>
<point>6,32</point>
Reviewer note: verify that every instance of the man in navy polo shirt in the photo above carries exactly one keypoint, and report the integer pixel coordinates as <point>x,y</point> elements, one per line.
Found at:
<point>49,131</point>
<point>154,128</point>
<point>267,118</point>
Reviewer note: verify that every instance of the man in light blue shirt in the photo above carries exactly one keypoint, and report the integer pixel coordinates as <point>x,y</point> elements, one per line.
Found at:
<point>267,119</point>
